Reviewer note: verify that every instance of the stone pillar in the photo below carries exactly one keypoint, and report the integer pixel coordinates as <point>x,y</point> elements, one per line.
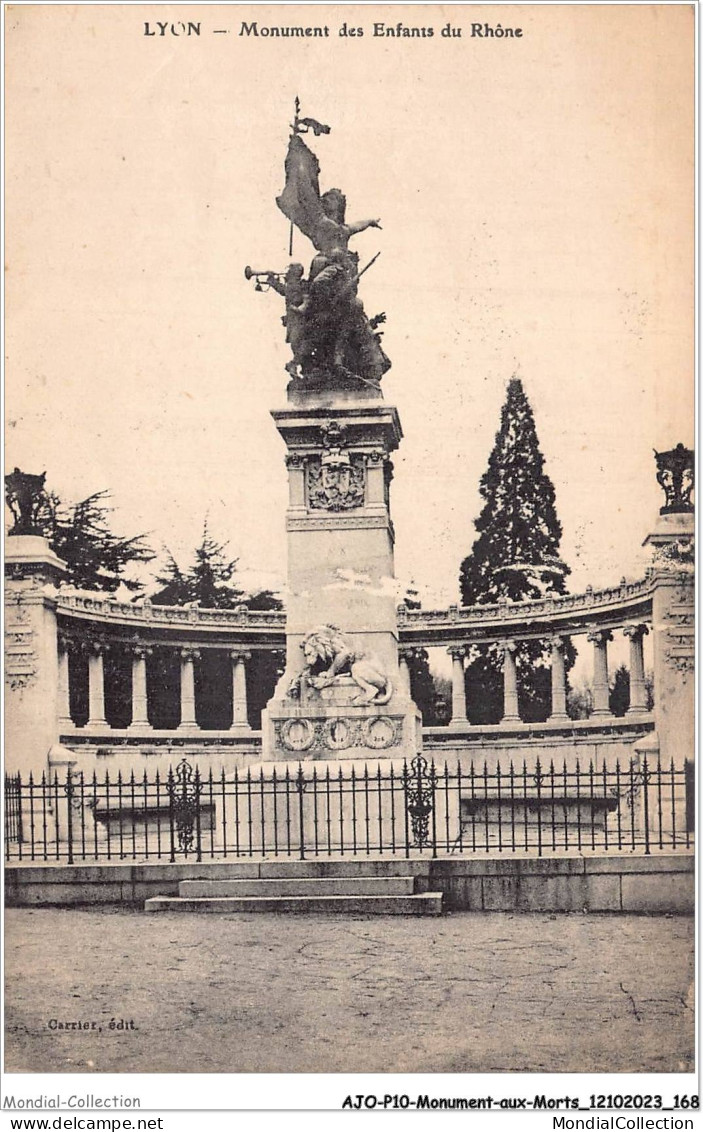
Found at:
<point>375,478</point>
<point>601,688</point>
<point>140,715</point>
<point>188,720</point>
<point>295,463</point>
<point>638,691</point>
<point>511,711</point>
<point>673,609</point>
<point>673,629</point>
<point>338,531</point>
<point>96,685</point>
<point>31,721</point>
<point>459,719</point>
<point>559,711</point>
<point>404,656</point>
<point>240,716</point>
<point>64,696</point>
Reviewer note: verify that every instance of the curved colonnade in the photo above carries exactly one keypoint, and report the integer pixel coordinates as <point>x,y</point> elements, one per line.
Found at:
<point>95,628</point>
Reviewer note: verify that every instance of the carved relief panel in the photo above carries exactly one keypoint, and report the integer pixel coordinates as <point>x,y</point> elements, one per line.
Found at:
<point>335,481</point>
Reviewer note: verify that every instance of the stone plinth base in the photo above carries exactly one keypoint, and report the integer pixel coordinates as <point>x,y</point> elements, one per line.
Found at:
<point>315,728</point>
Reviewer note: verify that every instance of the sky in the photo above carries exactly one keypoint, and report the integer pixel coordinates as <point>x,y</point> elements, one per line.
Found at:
<point>536,201</point>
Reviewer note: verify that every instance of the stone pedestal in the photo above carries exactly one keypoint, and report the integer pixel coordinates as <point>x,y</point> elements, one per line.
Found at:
<point>340,573</point>
<point>32,708</point>
<point>673,623</point>
<point>329,725</point>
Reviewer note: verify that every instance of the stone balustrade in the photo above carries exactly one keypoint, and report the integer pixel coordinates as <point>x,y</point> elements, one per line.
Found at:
<point>528,620</point>
<point>99,626</point>
<point>106,610</point>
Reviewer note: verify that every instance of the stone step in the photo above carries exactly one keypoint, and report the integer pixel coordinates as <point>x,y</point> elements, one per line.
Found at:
<point>284,867</point>
<point>421,904</point>
<point>300,886</point>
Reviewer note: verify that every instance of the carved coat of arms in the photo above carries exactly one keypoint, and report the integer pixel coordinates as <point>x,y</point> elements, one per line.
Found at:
<point>336,483</point>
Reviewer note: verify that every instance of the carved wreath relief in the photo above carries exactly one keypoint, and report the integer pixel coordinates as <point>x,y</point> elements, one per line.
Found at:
<point>301,734</point>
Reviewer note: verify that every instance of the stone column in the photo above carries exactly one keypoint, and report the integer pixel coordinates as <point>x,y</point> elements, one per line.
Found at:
<point>459,719</point>
<point>559,711</point>
<point>404,656</point>
<point>638,691</point>
<point>96,684</point>
<point>601,688</point>
<point>240,717</point>
<point>295,462</point>
<point>375,478</point>
<point>32,707</point>
<point>140,715</point>
<point>64,695</point>
<point>511,711</point>
<point>188,720</point>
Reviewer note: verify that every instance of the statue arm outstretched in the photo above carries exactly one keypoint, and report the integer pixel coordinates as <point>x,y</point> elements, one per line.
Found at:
<point>361,226</point>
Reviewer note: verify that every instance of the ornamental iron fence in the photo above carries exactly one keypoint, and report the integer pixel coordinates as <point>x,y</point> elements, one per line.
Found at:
<point>404,810</point>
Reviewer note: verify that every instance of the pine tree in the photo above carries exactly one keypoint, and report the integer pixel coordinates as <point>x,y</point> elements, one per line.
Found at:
<point>516,556</point>
<point>80,534</point>
<point>209,581</point>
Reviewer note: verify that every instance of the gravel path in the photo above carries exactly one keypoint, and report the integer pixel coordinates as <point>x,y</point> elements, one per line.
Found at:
<point>463,993</point>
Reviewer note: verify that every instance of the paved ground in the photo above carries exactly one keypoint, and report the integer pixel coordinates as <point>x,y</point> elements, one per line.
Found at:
<point>464,993</point>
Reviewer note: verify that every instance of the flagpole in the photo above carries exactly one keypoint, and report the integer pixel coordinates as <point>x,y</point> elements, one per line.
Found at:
<point>295,131</point>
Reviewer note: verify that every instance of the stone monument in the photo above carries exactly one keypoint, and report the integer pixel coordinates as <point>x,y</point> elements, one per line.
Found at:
<point>673,608</point>
<point>341,695</point>
<point>32,677</point>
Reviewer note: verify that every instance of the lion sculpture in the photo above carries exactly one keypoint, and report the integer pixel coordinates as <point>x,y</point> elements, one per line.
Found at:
<point>329,654</point>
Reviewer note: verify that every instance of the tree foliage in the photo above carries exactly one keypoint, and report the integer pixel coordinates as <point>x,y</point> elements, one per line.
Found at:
<point>619,693</point>
<point>80,534</point>
<point>423,685</point>
<point>515,556</point>
<point>209,580</point>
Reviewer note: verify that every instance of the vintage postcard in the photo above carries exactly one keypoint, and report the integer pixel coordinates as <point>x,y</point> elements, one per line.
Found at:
<point>349,622</point>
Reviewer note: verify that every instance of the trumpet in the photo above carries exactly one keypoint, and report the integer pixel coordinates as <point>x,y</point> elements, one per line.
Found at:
<point>263,278</point>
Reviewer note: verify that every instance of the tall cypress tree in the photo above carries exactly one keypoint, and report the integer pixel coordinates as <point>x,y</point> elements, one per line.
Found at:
<point>515,556</point>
